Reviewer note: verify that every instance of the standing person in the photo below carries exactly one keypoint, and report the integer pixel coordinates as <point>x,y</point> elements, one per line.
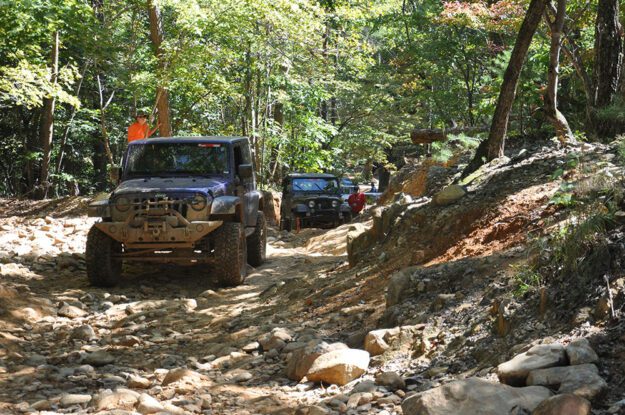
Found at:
<point>357,201</point>
<point>140,129</point>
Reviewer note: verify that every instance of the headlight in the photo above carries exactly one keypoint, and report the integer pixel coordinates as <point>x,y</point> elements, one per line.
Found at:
<point>198,203</point>
<point>311,204</point>
<point>335,203</point>
<point>122,204</point>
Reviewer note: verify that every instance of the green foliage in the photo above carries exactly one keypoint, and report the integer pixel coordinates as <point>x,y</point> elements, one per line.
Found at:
<point>526,279</point>
<point>443,151</point>
<point>317,85</point>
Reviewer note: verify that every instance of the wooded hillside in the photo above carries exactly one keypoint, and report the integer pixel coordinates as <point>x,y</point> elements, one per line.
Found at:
<point>318,85</point>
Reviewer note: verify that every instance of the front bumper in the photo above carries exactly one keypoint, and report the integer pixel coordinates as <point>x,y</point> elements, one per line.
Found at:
<point>158,231</point>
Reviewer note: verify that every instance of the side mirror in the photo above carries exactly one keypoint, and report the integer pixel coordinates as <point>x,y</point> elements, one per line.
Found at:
<point>246,171</point>
<point>116,173</point>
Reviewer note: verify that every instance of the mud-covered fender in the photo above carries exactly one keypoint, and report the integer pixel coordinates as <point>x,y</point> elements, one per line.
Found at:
<point>225,205</point>
<point>253,203</point>
<point>99,209</point>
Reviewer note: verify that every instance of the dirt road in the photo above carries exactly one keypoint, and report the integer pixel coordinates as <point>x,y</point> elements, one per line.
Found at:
<point>164,337</point>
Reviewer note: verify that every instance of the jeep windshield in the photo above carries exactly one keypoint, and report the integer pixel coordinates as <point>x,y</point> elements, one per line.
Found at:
<point>316,184</point>
<point>177,159</point>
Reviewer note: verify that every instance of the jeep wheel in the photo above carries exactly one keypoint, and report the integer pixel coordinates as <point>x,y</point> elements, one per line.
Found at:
<point>104,267</point>
<point>257,242</point>
<point>230,254</point>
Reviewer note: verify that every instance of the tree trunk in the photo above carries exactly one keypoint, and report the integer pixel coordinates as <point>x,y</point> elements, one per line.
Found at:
<point>608,64</point>
<point>572,52</point>
<point>493,147</point>
<point>46,127</point>
<point>68,128</point>
<point>162,95</point>
<point>103,128</point>
<point>608,52</point>
<point>563,131</point>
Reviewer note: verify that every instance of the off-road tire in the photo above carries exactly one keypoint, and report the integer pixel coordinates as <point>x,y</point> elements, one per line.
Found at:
<point>103,268</point>
<point>257,242</point>
<point>230,254</point>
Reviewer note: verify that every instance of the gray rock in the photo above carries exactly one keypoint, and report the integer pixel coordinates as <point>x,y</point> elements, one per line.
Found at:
<point>390,380</point>
<point>70,399</point>
<point>71,311</point>
<point>122,398</point>
<point>375,343</point>
<point>84,332</point>
<point>580,352</point>
<point>36,360</point>
<point>179,374</point>
<point>364,386</point>
<point>580,380</point>
<point>449,195</point>
<point>149,405</point>
<point>474,396</point>
<point>251,347</point>
<point>138,382</point>
<point>563,405</point>
<point>400,286</point>
<point>514,372</point>
<point>277,339</point>
<point>239,375</point>
<point>99,358</point>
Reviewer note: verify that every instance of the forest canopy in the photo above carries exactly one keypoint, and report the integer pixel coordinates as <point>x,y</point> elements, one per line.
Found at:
<point>317,85</point>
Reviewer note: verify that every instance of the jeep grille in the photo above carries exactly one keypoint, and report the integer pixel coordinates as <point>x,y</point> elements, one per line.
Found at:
<point>175,203</point>
<point>323,204</point>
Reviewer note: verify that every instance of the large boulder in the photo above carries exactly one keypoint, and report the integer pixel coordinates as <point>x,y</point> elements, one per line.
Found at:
<point>474,396</point>
<point>449,195</point>
<point>563,405</point>
<point>579,352</point>
<point>302,359</point>
<point>514,372</point>
<point>339,367</point>
<point>271,207</point>
<point>580,380</point>
<point>359,240</point>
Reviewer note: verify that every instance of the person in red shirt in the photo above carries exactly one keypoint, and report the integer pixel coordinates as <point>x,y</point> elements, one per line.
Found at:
<point>140,128</point>
<point>357,201</point>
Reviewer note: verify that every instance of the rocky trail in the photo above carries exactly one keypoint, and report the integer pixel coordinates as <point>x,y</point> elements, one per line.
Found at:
<point>416,309</point>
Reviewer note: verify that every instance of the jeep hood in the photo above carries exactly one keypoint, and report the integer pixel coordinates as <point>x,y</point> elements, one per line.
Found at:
<point>204,185</point>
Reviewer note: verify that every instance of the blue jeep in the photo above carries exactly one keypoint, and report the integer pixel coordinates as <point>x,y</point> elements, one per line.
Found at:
<point>185,200</point>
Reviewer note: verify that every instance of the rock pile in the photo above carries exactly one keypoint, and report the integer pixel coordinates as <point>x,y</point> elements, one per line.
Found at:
<point>527,382</point>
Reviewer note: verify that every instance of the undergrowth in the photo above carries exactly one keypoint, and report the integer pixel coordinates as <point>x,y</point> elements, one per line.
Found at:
<point>573,248</point>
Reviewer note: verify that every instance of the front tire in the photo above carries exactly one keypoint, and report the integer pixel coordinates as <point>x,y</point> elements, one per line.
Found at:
<point>104,264</point>
<point>230,254</point>
<point>257,242</point>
